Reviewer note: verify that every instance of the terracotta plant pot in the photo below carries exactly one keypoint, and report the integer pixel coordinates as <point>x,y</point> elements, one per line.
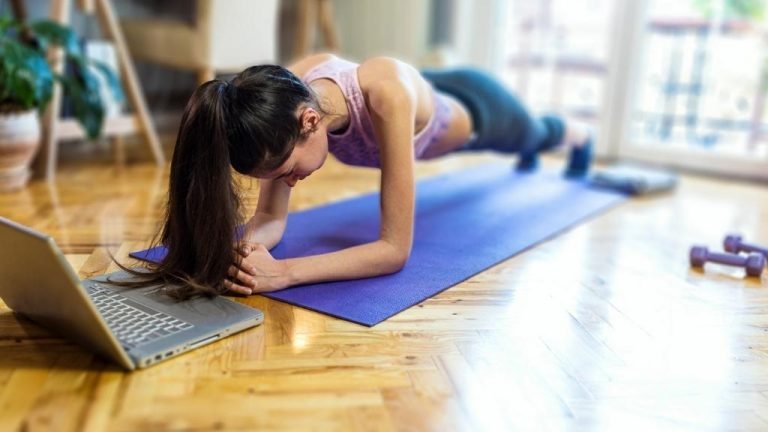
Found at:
<point>19,140</point>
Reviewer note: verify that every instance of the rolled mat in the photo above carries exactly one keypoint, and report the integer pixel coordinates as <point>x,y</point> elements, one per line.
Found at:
<point>466,222</point>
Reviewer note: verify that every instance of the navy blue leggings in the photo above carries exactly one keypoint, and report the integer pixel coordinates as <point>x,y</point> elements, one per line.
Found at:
<point>501,122</point>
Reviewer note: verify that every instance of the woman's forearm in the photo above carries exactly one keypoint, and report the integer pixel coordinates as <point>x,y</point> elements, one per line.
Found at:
<point>371,259</point>
<point>265,229</point>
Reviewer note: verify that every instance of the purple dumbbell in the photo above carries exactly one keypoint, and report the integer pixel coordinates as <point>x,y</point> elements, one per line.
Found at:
<point>753,263</point>
<point>733,243</point>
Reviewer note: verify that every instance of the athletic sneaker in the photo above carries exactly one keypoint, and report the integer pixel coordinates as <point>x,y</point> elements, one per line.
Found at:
<point>579,160</point>
<point>528,162</point>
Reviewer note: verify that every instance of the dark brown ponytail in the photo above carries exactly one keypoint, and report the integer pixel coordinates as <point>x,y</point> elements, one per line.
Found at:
<point>203,207</point>
<point>248,124</point>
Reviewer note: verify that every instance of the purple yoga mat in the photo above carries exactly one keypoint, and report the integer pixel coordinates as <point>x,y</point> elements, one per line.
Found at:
<point>465,223</point>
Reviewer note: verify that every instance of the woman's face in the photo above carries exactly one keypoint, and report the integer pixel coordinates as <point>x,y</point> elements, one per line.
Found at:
<point>308,155</point>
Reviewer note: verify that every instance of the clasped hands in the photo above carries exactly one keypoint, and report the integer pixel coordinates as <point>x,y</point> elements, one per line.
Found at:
<point>256,271</point>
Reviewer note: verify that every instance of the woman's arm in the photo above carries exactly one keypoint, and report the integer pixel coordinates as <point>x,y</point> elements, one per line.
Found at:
<point>392,106</point>
<point>267,224</point>
<point>262,232</point>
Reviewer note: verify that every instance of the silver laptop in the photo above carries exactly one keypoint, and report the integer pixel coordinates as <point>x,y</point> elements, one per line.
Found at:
<point>134,327</point>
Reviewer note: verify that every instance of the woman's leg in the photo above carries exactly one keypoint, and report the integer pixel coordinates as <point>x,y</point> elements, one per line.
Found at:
<point>548,134</point>
<point>501,122</point>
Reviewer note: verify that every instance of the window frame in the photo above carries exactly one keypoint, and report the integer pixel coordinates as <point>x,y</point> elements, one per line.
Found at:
<point>615,140</point>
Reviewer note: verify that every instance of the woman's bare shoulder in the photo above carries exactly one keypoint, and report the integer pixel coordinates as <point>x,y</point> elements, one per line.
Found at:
<point>377,70</point>
<point>383,67</point>
<point>381,72</point>
<point>304,65</point>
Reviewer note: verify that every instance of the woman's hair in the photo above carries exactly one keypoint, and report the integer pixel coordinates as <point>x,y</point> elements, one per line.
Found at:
<point>250,124</point>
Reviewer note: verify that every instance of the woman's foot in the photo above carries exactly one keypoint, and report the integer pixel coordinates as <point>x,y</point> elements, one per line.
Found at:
<point>579,160</point>
<point>578,140</point>
<point>527,163</point>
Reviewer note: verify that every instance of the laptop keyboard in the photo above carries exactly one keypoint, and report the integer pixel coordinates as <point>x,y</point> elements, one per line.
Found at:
<point>133,323</point>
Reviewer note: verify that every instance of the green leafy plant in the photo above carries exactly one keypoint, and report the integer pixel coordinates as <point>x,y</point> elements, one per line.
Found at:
<point>26,78</point>
<point>732,9</point>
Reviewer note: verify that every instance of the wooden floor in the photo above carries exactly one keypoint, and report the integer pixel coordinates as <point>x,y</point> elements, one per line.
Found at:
<point>604,328</point>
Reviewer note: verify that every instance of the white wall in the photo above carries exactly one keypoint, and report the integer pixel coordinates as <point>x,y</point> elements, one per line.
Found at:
<point>399,28</point>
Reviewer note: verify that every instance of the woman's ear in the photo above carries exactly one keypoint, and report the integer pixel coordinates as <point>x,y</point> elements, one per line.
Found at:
<point>310,119</point>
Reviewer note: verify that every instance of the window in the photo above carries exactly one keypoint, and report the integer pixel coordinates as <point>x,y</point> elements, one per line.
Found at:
<point>679,82</point>
<point>556,55</point>
<point>703,80</point>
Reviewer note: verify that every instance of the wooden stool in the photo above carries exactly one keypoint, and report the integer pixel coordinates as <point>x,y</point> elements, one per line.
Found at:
<point>310,14</point>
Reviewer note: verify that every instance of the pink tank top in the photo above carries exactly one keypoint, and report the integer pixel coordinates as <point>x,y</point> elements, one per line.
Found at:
<point>356,145</point>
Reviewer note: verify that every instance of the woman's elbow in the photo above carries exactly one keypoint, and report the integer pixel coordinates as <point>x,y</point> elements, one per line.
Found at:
<point>397,261</point>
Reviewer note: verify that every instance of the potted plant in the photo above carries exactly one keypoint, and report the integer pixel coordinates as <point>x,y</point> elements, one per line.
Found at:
<point>26,87</point>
